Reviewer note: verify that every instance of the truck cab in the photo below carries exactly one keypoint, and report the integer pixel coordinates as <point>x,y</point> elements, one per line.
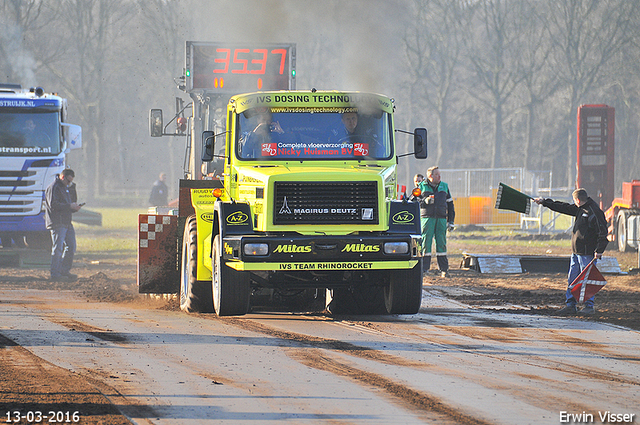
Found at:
<point>34,142</point>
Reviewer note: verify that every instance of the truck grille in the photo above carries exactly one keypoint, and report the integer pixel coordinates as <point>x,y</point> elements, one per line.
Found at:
<point>326,203</point>
<point>23,206</point>
<point>20,193</point>
<point>18,174</point>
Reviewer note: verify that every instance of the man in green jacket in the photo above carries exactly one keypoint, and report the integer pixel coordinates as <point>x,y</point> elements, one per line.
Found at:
<point>436,215</point>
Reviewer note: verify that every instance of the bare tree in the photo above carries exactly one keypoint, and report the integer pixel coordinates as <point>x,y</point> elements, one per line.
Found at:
<point>587,34</point>
<point>163,28</point>
<point>625,87</point>
<point>492,51</point>
<point>538,82</point>
<point>92,26</point>
<point>487,77</point>
<point>20,20</point>
<point>433,47</point>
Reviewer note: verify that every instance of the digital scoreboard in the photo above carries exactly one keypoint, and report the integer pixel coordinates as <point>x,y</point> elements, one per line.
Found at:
<point>238,68</point>
<point>596,152</point>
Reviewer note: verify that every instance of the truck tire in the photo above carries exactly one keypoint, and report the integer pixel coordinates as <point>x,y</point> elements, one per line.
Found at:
<point>195,295</point>
<point>231,289</point>
<point>404,293</point>
<point>621,231</point>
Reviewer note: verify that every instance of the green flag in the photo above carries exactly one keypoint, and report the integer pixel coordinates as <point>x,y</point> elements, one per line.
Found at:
<point>510,199</point>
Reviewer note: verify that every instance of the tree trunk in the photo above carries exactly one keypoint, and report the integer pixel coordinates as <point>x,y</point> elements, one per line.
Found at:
<point>497,144</point>
<point>528,141</point>
<point>572,163</point>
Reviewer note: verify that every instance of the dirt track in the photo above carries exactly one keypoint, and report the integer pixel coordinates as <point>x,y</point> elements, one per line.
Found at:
<point>29,383</point>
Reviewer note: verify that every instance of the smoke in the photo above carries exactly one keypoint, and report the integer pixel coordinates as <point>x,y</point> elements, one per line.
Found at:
<point>341,45</point>
<point>20,63</point>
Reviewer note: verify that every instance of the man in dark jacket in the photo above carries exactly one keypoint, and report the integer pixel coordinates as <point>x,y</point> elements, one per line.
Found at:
<point>159,192</point>
<point>58,209</point>
<point>589,239</point>
<point>436,216</point>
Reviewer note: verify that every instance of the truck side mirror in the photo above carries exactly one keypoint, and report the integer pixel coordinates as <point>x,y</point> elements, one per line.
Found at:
<point>155,123</point>
<point>208,142</point>
<point>72,135</point>
<point>420,143</point>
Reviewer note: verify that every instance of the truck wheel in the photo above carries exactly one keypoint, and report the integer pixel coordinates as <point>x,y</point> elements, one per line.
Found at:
<point>231,289</point>
<point>404,293</point>
<point>621,231</point>
<point>195,295</point>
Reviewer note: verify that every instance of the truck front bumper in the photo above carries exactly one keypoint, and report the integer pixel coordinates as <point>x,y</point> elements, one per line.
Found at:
<point>27,223</point>
<point>291,253</point>
<point>323,266</point>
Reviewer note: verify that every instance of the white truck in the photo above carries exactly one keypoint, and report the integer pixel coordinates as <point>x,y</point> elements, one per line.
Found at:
<point>34,143</point>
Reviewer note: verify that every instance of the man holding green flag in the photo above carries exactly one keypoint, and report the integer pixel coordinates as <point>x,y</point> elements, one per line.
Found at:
<point>589,239</point>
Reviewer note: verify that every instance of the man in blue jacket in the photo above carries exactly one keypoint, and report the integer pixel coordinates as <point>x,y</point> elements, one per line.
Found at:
<point>59,206</point>
<point>436,215</point>
<point>589,239</point>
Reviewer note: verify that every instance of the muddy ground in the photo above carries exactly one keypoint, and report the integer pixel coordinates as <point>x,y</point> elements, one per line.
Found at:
<point>28,383</point>
<point>542,293</point>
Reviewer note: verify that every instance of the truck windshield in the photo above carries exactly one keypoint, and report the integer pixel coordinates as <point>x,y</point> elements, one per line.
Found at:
<point>32,133</point>
<point>269,134</point>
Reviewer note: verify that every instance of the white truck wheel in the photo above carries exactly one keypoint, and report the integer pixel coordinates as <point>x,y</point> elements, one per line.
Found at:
<point>621,231</point>
<point>195,295</point>
<point>231,289</point>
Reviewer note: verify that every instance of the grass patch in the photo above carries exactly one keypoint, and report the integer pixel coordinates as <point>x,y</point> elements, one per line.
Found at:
<point>120,218</point>
<point>117,237</point>
<point>107,245</point>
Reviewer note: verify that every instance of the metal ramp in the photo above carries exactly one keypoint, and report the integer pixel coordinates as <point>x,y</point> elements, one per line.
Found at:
<point>513,264</point>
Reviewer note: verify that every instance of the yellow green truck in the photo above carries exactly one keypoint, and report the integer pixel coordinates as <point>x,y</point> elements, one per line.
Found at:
<point>303,204</point>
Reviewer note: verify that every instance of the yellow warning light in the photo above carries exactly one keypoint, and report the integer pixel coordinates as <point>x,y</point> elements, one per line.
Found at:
<point>416,192</point>
<point>221,82</point>
<point>217,192</point>
<point>259,83</point>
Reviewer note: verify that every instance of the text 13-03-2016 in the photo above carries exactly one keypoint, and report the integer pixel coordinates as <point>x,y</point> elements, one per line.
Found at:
<point>34,417</point>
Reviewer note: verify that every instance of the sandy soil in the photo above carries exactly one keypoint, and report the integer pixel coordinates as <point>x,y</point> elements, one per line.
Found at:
<point>534,293</point>
<point>28,383</point>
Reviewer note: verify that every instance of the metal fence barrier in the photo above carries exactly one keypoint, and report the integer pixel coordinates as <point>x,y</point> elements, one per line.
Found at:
<point>474,192</point>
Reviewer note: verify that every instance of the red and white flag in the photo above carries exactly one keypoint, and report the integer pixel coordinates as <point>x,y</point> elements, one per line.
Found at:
<point>588,283</point>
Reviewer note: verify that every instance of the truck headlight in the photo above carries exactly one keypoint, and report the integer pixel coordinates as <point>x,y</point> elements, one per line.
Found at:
<point>256,249</point>
<point>396,247</point>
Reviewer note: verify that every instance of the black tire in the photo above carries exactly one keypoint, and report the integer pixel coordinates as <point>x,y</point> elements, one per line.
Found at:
<point>621,231</point>
<point>363,299</point>
<point>231,289</point>
<point>404,293</point>
<point>195,295</point>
